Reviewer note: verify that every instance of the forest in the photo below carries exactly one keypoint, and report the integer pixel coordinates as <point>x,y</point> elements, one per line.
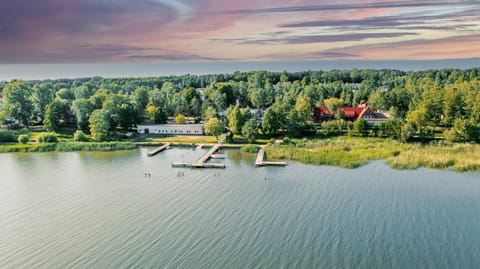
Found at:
<point>424,105</point>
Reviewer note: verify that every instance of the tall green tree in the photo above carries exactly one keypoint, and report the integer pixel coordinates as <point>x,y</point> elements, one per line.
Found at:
<point>100,127</point>
<point>55,115</point>
<point>17,101</point>
<point>82,108</point>
<point>43,95</point>
<point>250,130</point>
<point>236,118</point>
<point>215,127</point>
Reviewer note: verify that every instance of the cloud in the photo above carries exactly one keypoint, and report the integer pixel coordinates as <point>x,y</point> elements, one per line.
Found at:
<point>351,6</point>
<point>177,57</point>
<point>315,38</point>
<point>463,46</point>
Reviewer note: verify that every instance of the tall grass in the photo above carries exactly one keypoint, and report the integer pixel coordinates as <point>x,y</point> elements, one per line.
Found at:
<point>354,152</point>
<point>68,146</point>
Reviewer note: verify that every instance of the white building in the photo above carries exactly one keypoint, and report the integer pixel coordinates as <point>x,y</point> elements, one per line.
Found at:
<point>171,129</point>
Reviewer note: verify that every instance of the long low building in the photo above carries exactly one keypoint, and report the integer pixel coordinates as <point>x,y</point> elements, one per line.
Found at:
<point>171,129</point>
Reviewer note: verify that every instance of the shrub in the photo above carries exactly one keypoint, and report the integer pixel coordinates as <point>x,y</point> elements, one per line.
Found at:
<point>80,136</point>
<point>7,136</point>
<point>47,138</point>
<point>23,139</point>
<point>250,148</point>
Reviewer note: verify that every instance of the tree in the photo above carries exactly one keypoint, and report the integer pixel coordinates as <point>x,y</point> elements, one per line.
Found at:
<point>215,127</point>
<point>236,118</point>
<point>273,120</point>
<point>180,119</point>
<point>209,113</point>
<point>250,130</point>
<point>66,94</point>
<point>360,127</point>
<point>155,114</point>
<point>462,131</point>
<point>43,94</point>
<point>17,101</point>
<point>141,97</point>
<point>79,136</point>
<point>332,104</point>
<point>82,92</point>
<point>122,111</point>
<point>55,115</point>
<point>23,139</point>
<point>100,127</point>
<point>82,109</point>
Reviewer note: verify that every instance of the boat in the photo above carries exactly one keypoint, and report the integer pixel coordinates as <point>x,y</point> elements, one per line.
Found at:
<point>217,156</point>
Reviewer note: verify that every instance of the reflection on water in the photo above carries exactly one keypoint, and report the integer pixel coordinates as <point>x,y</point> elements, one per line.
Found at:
<point>98,210</point>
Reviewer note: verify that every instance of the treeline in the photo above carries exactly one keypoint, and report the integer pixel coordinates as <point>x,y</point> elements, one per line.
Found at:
<point>253,103</point>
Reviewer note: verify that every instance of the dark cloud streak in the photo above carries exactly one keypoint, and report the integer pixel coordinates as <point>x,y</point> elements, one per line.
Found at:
<point>376,5</point>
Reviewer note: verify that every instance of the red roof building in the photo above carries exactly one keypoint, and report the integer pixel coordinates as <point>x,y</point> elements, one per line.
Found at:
<point>349,113</point>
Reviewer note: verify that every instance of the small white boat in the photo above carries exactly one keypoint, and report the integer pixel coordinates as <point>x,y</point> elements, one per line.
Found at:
<point>217,156</point>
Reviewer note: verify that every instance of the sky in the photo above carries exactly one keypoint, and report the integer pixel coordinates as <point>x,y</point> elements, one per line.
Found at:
<point>143,31</point>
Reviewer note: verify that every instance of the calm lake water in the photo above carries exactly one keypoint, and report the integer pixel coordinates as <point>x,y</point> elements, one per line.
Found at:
<point>98,210</point>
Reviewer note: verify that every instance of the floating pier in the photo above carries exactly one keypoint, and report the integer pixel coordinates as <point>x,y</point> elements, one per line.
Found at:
<point>259,162</point>
<point>194,165</point>
<point>158,150</point>
<point>202,162</point>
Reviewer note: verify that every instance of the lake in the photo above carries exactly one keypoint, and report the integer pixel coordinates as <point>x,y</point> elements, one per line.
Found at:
<point>100,210</point>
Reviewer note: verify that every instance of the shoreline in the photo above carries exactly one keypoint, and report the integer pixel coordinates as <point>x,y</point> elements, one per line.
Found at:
<point>345,152</point>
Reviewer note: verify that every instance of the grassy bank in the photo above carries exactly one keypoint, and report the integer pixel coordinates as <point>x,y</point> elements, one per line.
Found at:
<point>68,146</point>
<point>354,152</point>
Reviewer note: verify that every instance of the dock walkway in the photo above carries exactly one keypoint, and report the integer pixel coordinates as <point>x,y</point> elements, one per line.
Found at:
<point>259,162</point>
<point>202,162</point>
<point>158,150</point>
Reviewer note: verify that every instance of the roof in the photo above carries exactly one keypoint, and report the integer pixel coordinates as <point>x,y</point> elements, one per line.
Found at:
<point>352,112</point>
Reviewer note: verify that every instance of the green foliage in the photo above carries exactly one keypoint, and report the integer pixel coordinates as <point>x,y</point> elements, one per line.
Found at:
<point>55,114</point>
<point>333,128</point>
<point>250,130</point>
<point>407,133</point>
<point>100,126</point>
<point>82,108</point>
<point>250,148</point>
<point>80,136</point>
<point>47,138</point>
<point>70,146</point>
<point>209,113</point>
<point>23,139</point>
<point>122,112</point>
<point>237,118</point>
<point>7,136</point>
<point>360,127</point>
<point>274,119</point>
<point>214,127</point>
<point>155,114</point>
<point>180,119</point>
<point>463,131</point>
<point>141,97</point>
<point>17,100</point>
<point>431,100</point>
<point>43,94</point>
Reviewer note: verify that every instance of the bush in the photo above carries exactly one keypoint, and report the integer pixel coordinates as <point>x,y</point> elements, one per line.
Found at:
<point>47,138</point>
<point>7,136</point>
<point>23,139</point>
<point>80,136</point>
<point>250,149</point>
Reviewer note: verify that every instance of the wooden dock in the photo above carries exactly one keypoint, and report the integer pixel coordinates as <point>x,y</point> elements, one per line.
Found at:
<point>259,162</point>
<point>202,162</point>
<point>158,150</point>
<point>194,165</point>
<point>207,156</point>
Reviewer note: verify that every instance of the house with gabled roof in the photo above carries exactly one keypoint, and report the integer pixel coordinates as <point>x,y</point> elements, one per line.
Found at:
<point>363,111</point>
